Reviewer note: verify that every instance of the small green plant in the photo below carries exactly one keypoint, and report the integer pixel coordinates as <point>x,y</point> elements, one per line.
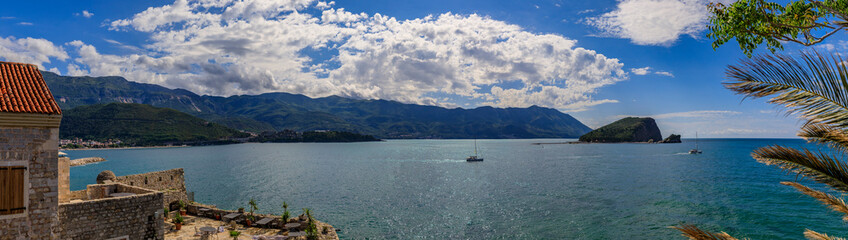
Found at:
<point>167,212</point>
<point>311,229</point>
<point>253,206</point>
<point>286,214</point>
<point>182,205</point>
<point>234,234</point>
<point>178,219</point>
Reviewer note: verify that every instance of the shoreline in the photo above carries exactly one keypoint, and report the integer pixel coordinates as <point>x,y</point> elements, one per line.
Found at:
<point>118,148</point>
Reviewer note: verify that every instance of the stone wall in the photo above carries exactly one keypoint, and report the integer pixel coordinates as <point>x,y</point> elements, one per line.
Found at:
<point>38,149</point>
<point>137,217</point>
<point>171,182</point>
<point>78,195</point>
<point>64,179</point>
<point>161,180</point>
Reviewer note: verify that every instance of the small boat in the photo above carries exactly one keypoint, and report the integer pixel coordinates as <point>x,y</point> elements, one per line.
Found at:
<point>474,158</point>
<point>696,150</point>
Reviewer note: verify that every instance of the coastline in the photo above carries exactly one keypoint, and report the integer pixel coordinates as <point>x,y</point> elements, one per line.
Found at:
<point>118,148</point>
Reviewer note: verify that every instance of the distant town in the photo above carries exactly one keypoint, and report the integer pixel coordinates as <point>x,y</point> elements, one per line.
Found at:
<point>84,143</point>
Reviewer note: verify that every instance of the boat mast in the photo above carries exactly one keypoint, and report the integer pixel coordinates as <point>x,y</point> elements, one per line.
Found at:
<point>475,147</point>
<point>696,140</point>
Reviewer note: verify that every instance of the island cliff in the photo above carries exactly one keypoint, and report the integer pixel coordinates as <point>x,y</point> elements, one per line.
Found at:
<point>673,138</point>
<point>630,129</point>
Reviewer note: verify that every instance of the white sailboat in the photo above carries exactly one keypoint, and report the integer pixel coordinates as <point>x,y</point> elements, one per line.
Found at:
<point>696,150</point>
<point>474,158</point>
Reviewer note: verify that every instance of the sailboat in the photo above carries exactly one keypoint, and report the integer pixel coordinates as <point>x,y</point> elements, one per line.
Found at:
<point>696,150</point>
<point>474,158</point>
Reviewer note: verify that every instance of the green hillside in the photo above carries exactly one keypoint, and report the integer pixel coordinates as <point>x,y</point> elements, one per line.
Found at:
<point>140,125</point>
<point>631,129</point>
<point>280,111</point>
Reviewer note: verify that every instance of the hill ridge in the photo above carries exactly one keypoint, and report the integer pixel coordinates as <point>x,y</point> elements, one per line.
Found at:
<point>279,110</point>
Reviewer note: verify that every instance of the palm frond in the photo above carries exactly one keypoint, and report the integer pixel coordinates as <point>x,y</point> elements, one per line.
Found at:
<point>816,86</point>
<point>835,138</point>
<point>837,204</point>
<point>817,166</point>
<point>812,235</point>
<point>694,233</point>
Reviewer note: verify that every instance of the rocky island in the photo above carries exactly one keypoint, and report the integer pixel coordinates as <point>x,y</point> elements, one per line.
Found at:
<point>630,129</point>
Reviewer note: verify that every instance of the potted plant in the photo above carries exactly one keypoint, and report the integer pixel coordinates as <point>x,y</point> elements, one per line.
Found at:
<point>178,222</point>
<point>248,220</point>
<point>182,208</point>
<point>166,213</point>
<point>253,208</point>
<point>235,234</point>
<point>217,216</point>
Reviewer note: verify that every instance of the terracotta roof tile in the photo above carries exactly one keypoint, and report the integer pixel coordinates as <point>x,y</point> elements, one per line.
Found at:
<point>23,90</point>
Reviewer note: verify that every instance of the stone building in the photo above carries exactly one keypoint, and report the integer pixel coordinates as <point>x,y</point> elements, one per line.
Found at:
<point>29,135</point>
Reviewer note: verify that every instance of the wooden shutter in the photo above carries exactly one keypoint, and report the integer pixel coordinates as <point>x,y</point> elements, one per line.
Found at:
<point>12,189</point>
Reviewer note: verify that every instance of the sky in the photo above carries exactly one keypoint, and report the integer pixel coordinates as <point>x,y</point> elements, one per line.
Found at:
<point>596,60</point>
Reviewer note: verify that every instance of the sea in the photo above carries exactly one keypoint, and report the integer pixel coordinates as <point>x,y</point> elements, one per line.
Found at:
<point>424,189</point>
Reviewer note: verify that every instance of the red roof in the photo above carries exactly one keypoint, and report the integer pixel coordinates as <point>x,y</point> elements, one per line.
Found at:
<point>23,90</point>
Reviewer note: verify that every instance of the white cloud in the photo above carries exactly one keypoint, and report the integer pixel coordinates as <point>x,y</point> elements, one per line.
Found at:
<point>25,23</point>
<point>641,71</point>
<point>30,50</point>
<point>691,114</point>
<point>664,73</point>
<point>339,15</point>
<point>124,46</point>
<point>647,70</point>
<point>586,11</point>
<point>225,47</point>
<point>324,5</point>
<point>86,14</point>
<point>653,22</point>
<point>697,114</point>
<point>826,46</point>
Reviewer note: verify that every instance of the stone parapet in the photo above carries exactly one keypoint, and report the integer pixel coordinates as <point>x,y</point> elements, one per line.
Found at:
<point>136,217</point>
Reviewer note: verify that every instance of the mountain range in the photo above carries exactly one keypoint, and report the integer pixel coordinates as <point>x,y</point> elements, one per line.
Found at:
<point>279,111</point>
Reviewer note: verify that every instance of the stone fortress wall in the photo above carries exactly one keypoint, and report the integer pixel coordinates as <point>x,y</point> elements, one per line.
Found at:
<point>170,182</point>
<point>92,214</point>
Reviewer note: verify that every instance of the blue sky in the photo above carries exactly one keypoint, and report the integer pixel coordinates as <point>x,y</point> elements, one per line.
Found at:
<point>596,60</point>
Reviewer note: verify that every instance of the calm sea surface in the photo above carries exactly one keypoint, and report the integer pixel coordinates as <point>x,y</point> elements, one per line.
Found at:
<point>424,189</point>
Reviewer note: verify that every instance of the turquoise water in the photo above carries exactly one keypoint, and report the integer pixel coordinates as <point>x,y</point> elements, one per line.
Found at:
<point>424,189</point>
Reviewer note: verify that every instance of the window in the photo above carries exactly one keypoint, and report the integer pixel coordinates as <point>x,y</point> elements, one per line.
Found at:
<point>12,189</point>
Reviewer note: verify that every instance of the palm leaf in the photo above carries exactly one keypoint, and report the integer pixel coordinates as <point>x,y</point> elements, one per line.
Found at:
<point>812,235</point>
<point>834,203</point>
<point>817,166</point>
<point>835,138</point>
<point>816,86</point>
<point>694,233</point>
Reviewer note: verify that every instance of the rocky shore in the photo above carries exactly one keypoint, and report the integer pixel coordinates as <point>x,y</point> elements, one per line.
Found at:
<point>84,161</point>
